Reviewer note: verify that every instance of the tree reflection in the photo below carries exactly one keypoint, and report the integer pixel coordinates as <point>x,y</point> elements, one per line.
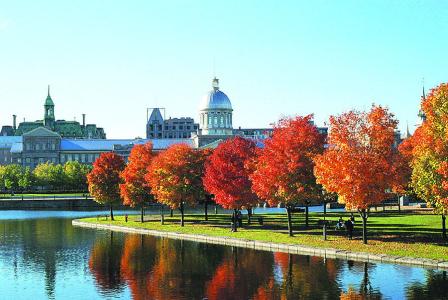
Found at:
<point>104,263</point>
<point>436,286</point>
<point>240,275</point>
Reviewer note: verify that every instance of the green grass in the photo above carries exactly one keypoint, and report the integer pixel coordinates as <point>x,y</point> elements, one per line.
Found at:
<point>406,234</point>
<point>18,195</point>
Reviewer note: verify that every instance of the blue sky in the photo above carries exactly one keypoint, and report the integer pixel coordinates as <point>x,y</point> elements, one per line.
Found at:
<point>112,59</point>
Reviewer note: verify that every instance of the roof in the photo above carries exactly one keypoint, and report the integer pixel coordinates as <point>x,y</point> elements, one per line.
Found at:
<point>41,131</point>
<point>8,141</point>
<point>215,99</point>
<point>17,147</point>
<point>108,145</point>
<point>155,116</point>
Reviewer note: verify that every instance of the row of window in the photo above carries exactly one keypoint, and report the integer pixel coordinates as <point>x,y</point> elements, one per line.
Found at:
<point>40,146</point>
<point>170,135</point>
<point>180,127</point>
<point>81,157</point>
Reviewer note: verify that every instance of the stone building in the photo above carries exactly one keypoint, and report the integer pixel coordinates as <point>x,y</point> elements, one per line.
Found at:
<point>68,129</point>
<point>172,128</point>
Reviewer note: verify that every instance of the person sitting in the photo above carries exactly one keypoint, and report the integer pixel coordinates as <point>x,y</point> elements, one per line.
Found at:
<point>340,224</point>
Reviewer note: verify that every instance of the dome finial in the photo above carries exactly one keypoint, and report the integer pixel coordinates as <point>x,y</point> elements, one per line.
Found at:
<point>48,90</point>
<point>215,83</point>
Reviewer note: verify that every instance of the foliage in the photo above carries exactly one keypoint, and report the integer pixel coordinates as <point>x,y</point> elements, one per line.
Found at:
<point>14,177</point>
<point>430,151</point>
<point>284,168</point>
<point>49,175</point>
<point>104,179</point>
<point>175,176</point>
<point>360,164</point>
<point>75,175</point>
<point>135,189</point>
<point>227,174</point>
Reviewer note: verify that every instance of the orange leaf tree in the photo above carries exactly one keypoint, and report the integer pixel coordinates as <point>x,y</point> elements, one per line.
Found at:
<point>430,153</point>
<point>135,189</point>
<point>175,177</point>
<point>360,162</point>
<point>104,179</point>
<point>227,175</point>
<point>284,168</point>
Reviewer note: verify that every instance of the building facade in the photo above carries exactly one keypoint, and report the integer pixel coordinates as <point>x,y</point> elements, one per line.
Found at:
<point>172,128</point>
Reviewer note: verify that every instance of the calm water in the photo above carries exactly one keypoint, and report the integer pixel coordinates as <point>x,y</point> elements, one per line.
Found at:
<point>43,256</point>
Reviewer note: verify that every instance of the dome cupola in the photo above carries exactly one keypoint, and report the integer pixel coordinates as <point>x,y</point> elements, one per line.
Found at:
<point>215,112</point>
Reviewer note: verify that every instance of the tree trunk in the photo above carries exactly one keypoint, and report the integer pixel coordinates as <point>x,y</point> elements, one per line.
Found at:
<point>142,213</point>
<point>288,213</point>
<point>162,217</point>
<point>171,212</point>
<point>444,227</point>
<point>363,214</point>
<point>111,213</point>
<point>249,215</point>
<point>325,209</point>
<point>216,209</point>
<point>234,222</point>
<point>306,216</point>
<point>206,209</point>
<point>181,208</point>
<point>399,205</point>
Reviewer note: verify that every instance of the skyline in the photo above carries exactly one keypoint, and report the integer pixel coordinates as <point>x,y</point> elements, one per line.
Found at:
<point>113,60</point>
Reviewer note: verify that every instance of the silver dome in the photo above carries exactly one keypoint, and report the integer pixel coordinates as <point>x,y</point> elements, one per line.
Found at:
<point>215,99</point>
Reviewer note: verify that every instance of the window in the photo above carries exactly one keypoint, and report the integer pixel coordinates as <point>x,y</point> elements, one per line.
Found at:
<point>181,127</point>
<point>76,157</point>
<point>160,127</point>
<point>37,147</point>
<point>53,146</point>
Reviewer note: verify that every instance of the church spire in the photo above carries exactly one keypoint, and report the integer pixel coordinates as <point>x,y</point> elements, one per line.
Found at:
<point>48,91</point>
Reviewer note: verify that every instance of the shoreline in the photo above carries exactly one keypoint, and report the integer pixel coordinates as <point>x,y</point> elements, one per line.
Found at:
<point>274,247</point>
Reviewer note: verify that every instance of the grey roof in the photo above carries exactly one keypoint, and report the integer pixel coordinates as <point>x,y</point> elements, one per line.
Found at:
<point>155,116</point>
<point>215,99</point>
<point>108,145</point>
<point>41,131</point>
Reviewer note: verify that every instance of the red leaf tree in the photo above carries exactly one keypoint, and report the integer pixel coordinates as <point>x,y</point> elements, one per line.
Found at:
<point>175,177</point>
<point>360,163</point>
<point>227,175</point>
<point>104,179</point>
<point>284,169</point>
<point>135,190</point>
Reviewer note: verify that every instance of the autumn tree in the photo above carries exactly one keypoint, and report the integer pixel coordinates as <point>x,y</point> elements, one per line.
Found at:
<point>175,177</point>
<point>360,161</point>
<point>104,179</point>
<point>430,153</point>
<point>284,168</point>
<point>135,190</point>
<point>227,175</point>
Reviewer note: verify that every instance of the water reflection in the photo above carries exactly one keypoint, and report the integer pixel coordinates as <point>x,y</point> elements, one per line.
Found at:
<point>66,262</point>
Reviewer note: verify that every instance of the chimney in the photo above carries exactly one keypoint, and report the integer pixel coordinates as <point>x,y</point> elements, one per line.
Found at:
<point>14,122</point>
<point>84,120</point>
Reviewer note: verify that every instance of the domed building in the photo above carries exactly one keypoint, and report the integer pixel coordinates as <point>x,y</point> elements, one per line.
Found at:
<point>215,112</point>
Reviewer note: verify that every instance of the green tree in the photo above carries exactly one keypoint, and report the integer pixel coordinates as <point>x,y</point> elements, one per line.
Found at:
<point>26,179</point>
<point>49,175</point>
<point>75,175</point>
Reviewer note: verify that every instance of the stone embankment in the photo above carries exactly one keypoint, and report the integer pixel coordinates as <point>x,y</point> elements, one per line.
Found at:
<point>276,247</point>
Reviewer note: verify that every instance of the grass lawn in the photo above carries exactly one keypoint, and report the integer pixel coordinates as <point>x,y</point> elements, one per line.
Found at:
<point>18,195</point>
<point>405,234</point>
